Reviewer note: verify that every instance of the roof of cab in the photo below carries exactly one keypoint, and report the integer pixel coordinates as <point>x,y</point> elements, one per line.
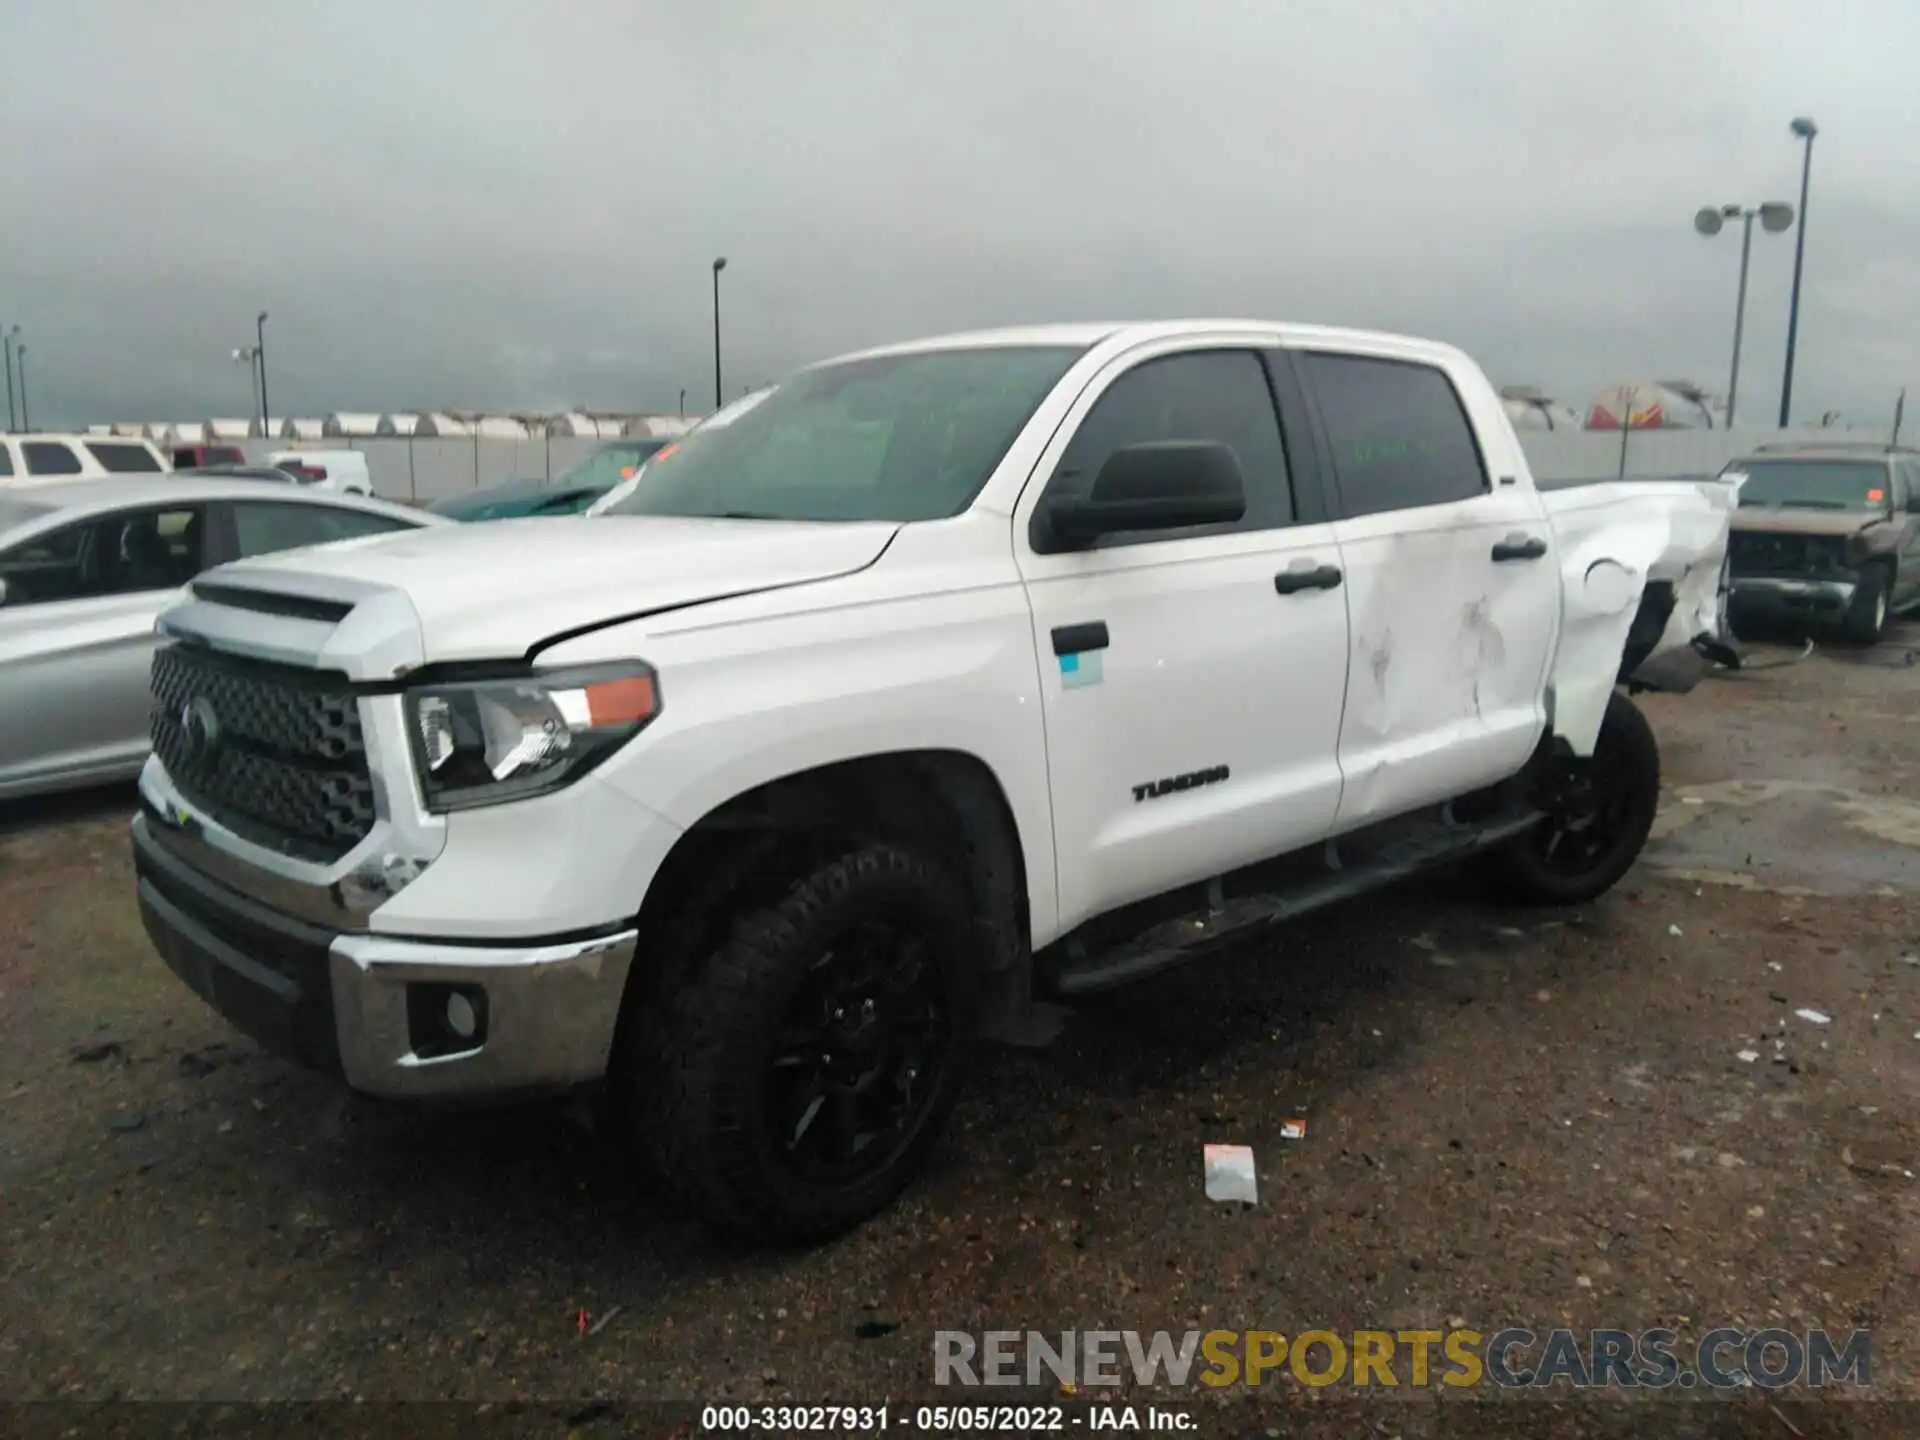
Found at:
<point>1086,335</point>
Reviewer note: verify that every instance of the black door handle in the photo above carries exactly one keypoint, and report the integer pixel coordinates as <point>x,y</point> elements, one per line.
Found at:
<point>1321,577</point>
<point>1518,546</point>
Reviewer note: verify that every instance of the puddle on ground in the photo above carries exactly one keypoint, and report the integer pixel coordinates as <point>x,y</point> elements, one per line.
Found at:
<point>1789,837</point>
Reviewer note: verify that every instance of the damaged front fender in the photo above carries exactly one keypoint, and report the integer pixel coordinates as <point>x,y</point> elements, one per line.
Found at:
<point>1643,594</point>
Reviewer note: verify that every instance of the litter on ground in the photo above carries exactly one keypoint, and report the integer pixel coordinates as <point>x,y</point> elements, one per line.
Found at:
<point>1814,1017</point>
<point>1230,1175</point>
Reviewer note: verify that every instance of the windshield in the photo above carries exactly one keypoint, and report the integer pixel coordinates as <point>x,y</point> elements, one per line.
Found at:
<point>1814,484</point>
<point>609,465</point>
<point>897,437</point>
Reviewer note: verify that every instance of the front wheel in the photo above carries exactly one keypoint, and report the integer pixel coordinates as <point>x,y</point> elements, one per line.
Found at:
<point>1867,616</point>
<point>1599,813</point>
<point>799,1078</point>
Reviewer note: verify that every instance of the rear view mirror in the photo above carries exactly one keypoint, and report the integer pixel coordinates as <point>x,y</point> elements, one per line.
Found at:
<point>1157,485</point>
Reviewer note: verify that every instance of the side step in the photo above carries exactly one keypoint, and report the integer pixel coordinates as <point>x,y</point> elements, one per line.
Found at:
<point>1413,850</point>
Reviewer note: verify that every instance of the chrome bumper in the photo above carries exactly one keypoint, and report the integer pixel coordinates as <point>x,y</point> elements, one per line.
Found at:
<point>374,1008</point>
<point>1789,596</point>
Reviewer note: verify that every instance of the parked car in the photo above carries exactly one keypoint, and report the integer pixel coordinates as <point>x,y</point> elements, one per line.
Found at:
<point>342,471</point>
<point>1827,535</point>
<point>947,680</point>
<point>46,458</point>
<point>571,492</point>
<point>85,568</point>
<point>199,457</point>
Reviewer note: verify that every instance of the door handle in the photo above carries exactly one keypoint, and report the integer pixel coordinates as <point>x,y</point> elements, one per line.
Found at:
<point>1307,577</point>
<point>1520,546</point>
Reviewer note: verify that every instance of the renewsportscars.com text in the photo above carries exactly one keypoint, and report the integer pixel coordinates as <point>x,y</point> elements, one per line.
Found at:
<point>1511,1358</point>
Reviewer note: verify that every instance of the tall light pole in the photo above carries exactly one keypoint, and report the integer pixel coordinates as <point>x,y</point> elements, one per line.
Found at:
<point>1806,130</point>
<point>1774,217</point>
<point>7,337</point>
<point>260,357</point>
<point>248,356</point>
<point>683,401</point>
<point>26,420</point>
<point>719,264</point>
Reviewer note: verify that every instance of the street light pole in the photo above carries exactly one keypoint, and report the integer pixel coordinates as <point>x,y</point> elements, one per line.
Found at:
<point>26,420</point>
<point>1806,130</point>
<point>260,355</point>
<point>719,264</point>
<point>683,402</point>
<point>1774,217</point>
<point>6,339</point>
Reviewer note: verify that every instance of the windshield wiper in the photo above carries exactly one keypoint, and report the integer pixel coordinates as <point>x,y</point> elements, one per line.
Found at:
<point>1813,505</point>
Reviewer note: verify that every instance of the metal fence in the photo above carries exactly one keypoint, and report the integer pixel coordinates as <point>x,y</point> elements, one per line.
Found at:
<point>425,470</point>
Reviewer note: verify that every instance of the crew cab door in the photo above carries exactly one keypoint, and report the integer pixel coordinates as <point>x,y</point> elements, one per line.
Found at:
<point>1453,587</point>
<point>1191,679</point>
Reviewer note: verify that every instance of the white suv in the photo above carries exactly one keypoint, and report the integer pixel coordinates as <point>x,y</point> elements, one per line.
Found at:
<point>54,458</point>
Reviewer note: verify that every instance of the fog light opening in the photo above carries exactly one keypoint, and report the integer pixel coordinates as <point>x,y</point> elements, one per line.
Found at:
<point>445,1019</point>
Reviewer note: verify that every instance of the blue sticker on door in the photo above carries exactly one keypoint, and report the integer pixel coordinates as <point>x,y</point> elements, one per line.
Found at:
<point>1079,671</point>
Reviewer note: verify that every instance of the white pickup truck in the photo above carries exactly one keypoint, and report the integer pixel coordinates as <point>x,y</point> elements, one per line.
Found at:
<point>944,682</point>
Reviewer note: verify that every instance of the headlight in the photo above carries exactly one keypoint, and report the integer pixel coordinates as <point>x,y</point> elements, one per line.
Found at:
<point>482,742</point>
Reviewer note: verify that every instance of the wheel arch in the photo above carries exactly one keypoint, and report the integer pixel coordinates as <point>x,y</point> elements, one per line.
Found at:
<point>744,852</point>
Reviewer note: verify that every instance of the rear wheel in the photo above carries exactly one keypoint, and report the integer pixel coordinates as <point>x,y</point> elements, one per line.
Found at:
<point>1867,616</point>
<point>1599,813</point>
<point>801,1075</point>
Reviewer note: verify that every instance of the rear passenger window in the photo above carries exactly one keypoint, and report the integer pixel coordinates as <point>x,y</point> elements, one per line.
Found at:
<point>1399,436</point>
<point>1217,395</point>
<point>124,459</point>
<point>266,527</point>
<point>49,457</point>
<point>6,461</point>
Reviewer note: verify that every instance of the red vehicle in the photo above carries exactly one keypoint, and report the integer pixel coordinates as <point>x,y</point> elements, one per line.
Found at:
<point>196,457</point>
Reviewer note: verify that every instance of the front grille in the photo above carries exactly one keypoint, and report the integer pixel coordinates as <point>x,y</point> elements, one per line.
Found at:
<point>1759,553</point>
<point>273,753</point>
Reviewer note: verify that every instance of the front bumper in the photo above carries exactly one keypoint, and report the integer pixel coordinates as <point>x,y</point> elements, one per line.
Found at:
<point>1781,598</point>
<point>372,1008</point>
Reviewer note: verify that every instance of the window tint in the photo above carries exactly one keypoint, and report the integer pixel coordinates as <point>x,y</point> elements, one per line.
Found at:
<point>1218,395</point>
<point>124,459</point>
<point>265,527</point>
<point>49,457</point>
<point>1400,439</point>
<point>117,555</point>
<point>6,461</point>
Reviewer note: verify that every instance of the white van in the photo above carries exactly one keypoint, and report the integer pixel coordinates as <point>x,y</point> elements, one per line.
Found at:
<point>48,457</point>
<point>344,471</point>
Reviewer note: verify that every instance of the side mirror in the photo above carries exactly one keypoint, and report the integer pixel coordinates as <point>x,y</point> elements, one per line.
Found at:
<point>3,592</point>
<point>1157,485</point>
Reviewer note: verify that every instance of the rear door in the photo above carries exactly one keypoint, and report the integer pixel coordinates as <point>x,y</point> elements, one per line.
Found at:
<point>1453,590</point>
<point>1191,679</point>
<point>77,638</point>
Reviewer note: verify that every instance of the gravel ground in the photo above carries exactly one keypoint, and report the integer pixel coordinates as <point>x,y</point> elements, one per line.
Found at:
<point>1535,1119</point>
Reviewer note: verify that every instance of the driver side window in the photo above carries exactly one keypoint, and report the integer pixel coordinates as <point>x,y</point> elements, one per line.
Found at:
<point>1213,395</point>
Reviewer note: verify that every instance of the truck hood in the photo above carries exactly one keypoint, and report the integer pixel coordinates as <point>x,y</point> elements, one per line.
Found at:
<point>497,591</point>
<point>1789,520</point>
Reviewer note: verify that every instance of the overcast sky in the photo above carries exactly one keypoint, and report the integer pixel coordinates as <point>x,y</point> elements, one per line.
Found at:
<point>493,205</point>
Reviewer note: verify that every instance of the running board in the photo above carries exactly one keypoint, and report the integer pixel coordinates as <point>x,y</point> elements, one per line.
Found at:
<point>1181,939</point>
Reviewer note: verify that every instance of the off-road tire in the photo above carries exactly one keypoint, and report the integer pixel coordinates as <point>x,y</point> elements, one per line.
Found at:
<point>1521,869</point>
<point>695,1076</point>
<point>1866,618</point>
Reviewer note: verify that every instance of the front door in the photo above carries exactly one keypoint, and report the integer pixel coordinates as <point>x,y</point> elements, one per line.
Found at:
<point>1453,588</point>
<point>1192,679</point>
<point>77,639</point>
